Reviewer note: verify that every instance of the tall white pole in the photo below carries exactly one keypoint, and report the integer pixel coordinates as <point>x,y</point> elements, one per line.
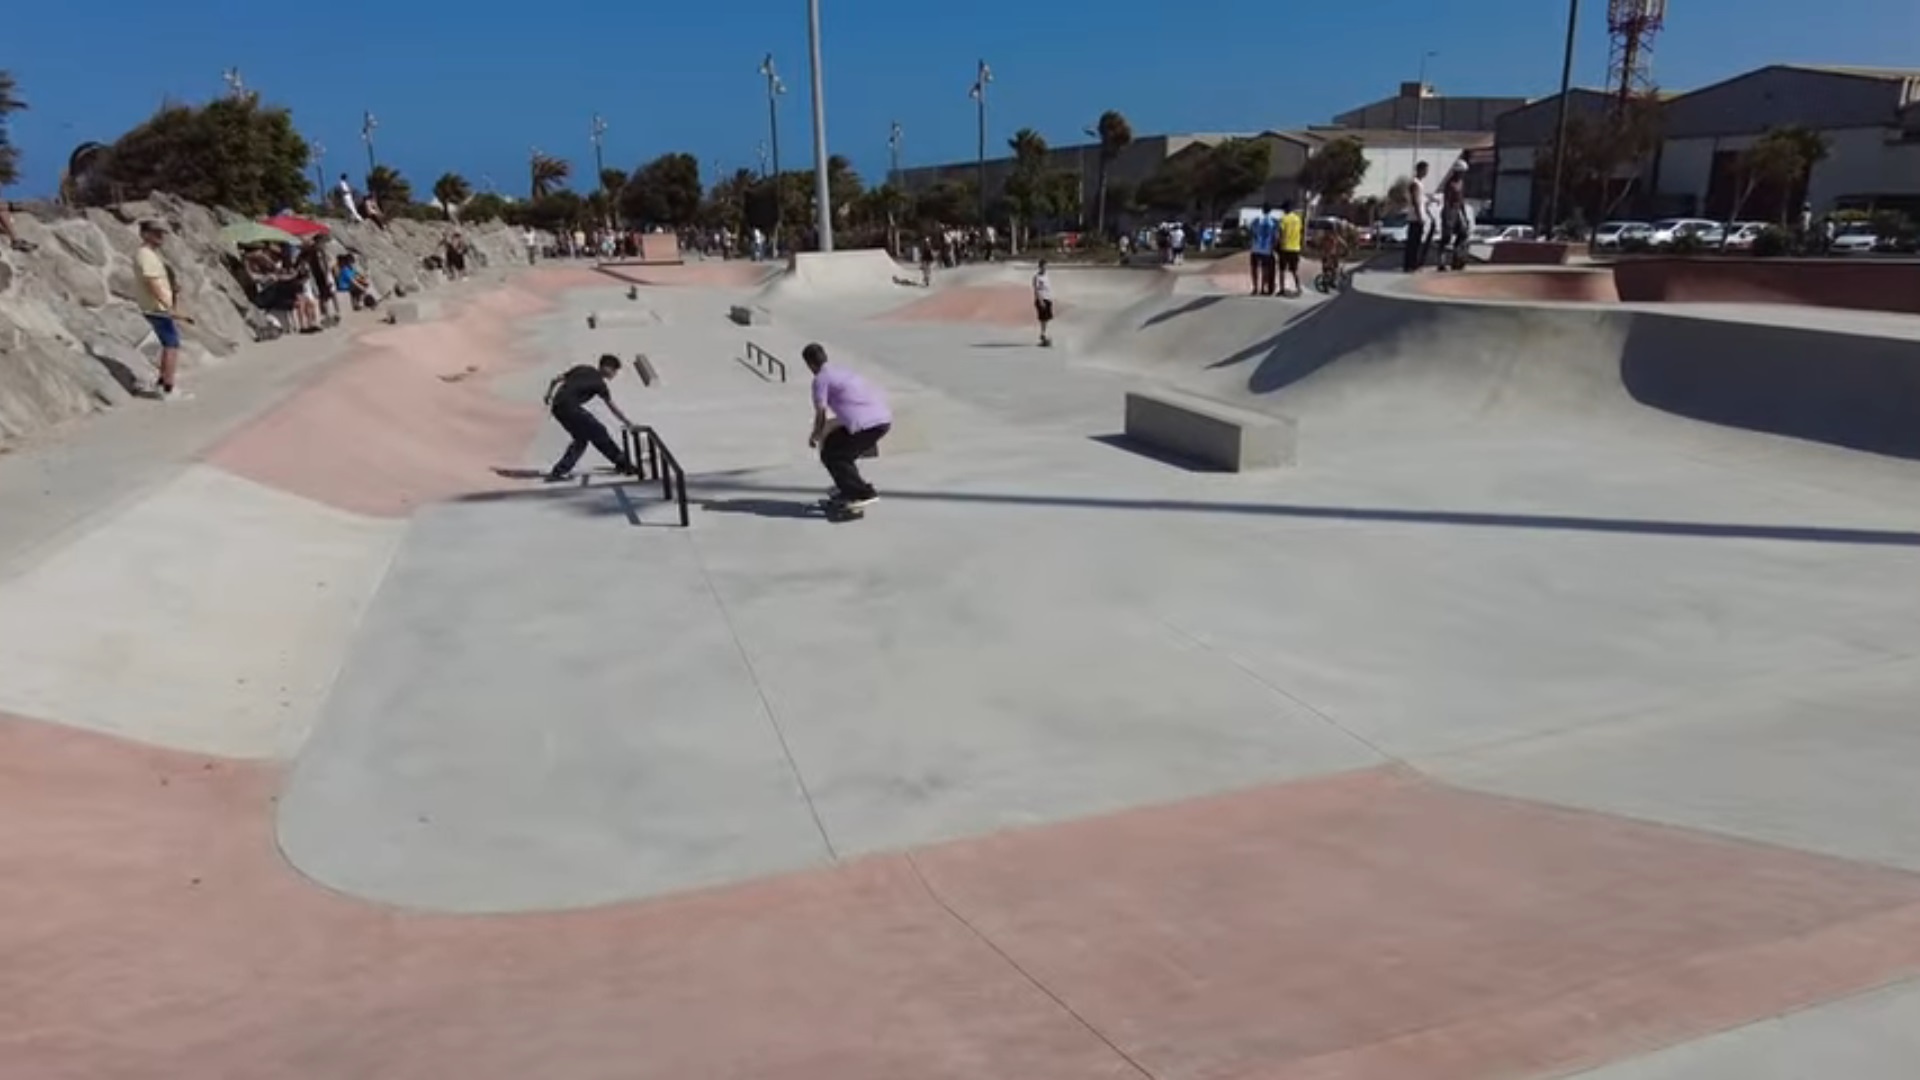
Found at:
<point>822,193</point>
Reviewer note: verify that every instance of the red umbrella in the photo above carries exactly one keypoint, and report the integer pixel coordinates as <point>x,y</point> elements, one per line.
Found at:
<point>298,226</point>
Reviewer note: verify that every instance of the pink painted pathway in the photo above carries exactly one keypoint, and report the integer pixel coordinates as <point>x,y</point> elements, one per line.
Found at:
<point>1361,926</point>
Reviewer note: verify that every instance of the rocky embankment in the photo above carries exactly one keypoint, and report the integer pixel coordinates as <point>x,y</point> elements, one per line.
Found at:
<point>69,326</point>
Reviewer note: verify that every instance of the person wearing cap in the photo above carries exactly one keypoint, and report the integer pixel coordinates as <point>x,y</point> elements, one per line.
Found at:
<point>1453,218</point>
<point>850,417</point>
<point>567,396</point>
<point>159,303</point>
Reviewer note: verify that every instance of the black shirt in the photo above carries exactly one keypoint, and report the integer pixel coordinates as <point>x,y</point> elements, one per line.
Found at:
<point>579,386</point>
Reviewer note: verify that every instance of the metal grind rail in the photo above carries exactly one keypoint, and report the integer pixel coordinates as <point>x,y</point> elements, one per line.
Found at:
<point>657,463</point>
<point>765,361</point>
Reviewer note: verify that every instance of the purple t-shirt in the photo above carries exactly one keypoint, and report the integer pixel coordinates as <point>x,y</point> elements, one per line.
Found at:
<point>854,401</point>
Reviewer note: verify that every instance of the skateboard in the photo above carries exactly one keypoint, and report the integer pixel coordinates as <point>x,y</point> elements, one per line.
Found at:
<point>835,511</point>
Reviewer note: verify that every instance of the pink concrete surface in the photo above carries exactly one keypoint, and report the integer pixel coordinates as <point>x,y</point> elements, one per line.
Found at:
<point>150,930</point>
<point>1533,253</point>
<point>1860,284</point>
<point>1587,286</point>
<point>1362,926</point>
<point>1378,926</point>
<point>385,431</point>
<point>994,305</point>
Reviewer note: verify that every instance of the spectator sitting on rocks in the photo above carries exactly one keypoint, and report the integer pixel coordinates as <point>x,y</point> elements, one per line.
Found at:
<point>373,212</point>
<point>6,226</point>
<point>281,286</point>
<point>353,281</point>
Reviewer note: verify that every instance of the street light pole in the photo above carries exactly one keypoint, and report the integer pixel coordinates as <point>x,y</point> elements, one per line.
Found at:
<point>1560,125</point>
<point>319,172</point>
<point>1420,105</point>
<point>893,150</point>
<point>774,89</point>
<point>367,124</point>
<point>822,191</point>
<point>600,166</point>
<point>979,95</point>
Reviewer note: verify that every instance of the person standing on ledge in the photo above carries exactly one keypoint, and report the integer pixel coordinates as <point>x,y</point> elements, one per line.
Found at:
<point>859,420</point>
<point>159,300</point>
<point>568,395</point>
<point>1043,301</point>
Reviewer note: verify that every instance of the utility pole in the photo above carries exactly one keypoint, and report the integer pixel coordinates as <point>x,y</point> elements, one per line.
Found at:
<point>367,124</point>
<point>1420,105</point>
<point>822,190</point>
<point>599,166</point>
<point>1560,125</point>
<point>774,89</point>
<point>979,95</point>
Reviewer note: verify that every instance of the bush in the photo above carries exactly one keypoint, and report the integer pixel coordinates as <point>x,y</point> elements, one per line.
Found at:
<point>232,152</point>
<point>1772,243</point>
<point>1689,244</point>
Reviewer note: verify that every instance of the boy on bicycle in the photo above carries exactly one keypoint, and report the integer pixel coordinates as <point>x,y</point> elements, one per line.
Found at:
<point>1333,253</point>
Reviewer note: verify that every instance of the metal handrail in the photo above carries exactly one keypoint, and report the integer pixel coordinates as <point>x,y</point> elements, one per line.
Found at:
<point>673,479</point>
<point>761,358</point>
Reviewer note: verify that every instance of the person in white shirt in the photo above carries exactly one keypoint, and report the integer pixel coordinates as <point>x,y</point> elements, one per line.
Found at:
<point>1177,241</point>
<point>345,190</point>
<point>1043,301</point>
<point>1416,219</point>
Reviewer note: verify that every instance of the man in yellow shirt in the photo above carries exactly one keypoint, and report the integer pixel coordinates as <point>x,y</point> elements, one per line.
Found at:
<point>157,303</point>
<point>1293,234</point>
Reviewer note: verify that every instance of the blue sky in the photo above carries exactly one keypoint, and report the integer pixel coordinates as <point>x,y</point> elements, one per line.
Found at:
<point>471,87</point>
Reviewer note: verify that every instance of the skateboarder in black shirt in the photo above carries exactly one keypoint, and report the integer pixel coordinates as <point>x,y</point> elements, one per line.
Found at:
<point>568,395</point>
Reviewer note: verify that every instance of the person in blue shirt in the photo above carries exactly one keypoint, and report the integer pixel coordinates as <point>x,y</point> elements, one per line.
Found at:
<point>1264,231</point>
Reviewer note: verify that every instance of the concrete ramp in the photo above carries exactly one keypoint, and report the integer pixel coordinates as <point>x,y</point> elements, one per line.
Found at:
<point>867,270</point>
<point>1373,362</point>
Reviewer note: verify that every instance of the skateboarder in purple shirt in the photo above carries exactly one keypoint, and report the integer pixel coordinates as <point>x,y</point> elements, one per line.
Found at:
<point>850,417</point>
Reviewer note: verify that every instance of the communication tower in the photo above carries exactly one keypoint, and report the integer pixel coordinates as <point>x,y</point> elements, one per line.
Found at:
<point>1632,26</point>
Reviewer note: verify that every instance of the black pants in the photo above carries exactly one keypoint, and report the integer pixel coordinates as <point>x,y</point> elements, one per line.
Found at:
<point>586,428</point>
<point>841,451</point>
<point>1453,241</point>
<point>1263,265</point>
<point>1416,244</point>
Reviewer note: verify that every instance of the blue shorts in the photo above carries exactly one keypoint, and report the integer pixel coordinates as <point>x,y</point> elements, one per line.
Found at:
<point>165,329</point>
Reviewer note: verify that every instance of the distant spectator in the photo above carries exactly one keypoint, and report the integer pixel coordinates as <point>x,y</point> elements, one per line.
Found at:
<point>353,281</point>
<point>1261,236</point>
<point>313,262</point>
<point>373,212</point>
<point>6,226</point>
<point>1453,218</point>
<point>456,247</point>
<point>1293,232</point>
<point>344,192</point>
<point>532,240</point>
<point>1416,219</point>
<point>159,298</point>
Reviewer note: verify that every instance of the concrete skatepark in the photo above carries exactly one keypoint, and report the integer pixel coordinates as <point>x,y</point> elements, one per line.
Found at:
<point>1552,714</point>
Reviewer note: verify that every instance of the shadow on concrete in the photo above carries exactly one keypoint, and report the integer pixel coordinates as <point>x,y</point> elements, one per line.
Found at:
<point>1853,390</point>
<point>1803,534</point>
<point>1198,303</point>
<point>1270,347</point>
<point>1152,453</point>
<point>767,508</point>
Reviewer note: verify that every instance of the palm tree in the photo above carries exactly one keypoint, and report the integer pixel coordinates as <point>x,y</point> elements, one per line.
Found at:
<point>10,103</point>
<point>385,183</point>
<point>1024,187</point>
<point>451,189</point>
<point>548,173</point>
<point>1115,135</point>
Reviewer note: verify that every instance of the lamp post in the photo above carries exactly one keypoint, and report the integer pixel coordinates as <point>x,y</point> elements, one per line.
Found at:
<point>979,95</point>
<point>236,86</point>
<point>533,173</point>
<point>893,152</point>
<point>1420,105</point>
<point>319,172</point>
<point>599,131</point>
<point>822,190</point>
<point>774,89</point>
<point>1560,125</point>
<point>367,124</point>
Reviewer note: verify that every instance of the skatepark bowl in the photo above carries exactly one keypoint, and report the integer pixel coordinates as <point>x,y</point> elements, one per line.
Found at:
<point>1553,715</point>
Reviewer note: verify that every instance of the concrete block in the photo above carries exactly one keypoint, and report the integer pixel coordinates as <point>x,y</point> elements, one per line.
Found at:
<point>401,312</point>
<point>747,315</point>
<point>1209,432</point>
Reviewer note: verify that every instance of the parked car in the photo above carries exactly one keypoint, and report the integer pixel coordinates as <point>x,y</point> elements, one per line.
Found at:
<point>1392,229</point>
<point>1616,234</point>
<point>1855,238</point>
<point>1742,234</point>
<point>1499,234</point>
<point>1668,230</point>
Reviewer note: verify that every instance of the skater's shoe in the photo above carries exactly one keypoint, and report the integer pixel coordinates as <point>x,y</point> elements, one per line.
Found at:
<point>557,477</point>
<point>860,503</point>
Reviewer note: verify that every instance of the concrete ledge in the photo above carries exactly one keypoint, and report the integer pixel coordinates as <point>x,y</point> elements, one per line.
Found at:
<point>750,316</point>
<point>401,312</point>
<point>1208,432</point>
